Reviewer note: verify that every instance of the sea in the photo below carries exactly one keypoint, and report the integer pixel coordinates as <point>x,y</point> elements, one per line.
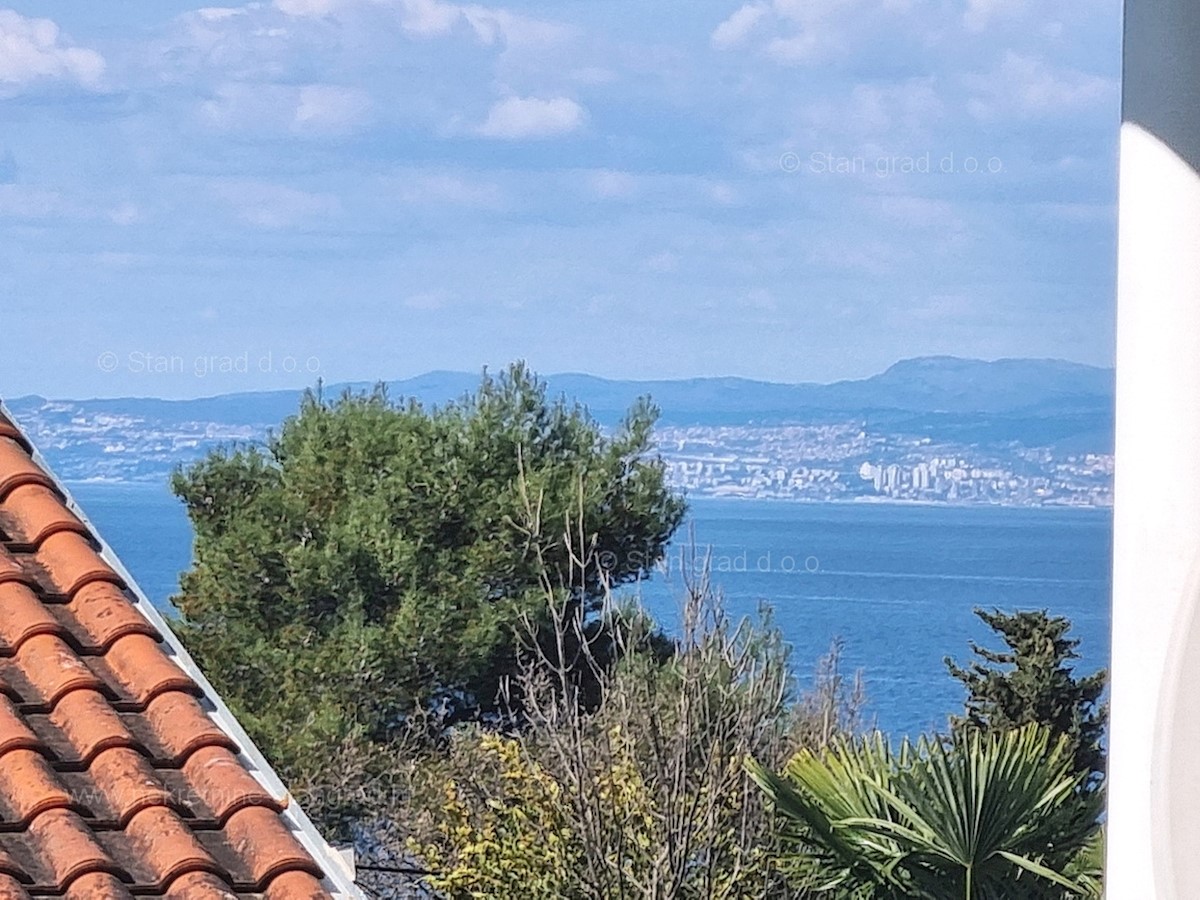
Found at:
<point>896,584</point>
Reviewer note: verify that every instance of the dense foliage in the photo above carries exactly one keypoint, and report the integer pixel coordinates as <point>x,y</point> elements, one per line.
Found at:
<point>984,817</point>
<point>376,560</point>
<point>645,796</point>
<point>411,611</point>
<point>1033,682</point>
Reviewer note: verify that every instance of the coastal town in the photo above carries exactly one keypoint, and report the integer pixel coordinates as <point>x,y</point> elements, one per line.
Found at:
<point>844,462</point>
<point>828,462</point>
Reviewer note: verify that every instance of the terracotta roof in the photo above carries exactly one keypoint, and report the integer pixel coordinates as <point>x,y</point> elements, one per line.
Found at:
<point>121,772</point>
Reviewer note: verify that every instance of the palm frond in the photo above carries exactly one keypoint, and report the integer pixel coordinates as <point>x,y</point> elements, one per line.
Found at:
<point>968,819</point>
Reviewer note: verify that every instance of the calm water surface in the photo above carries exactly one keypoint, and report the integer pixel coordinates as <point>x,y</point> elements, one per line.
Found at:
<point>896,583</point>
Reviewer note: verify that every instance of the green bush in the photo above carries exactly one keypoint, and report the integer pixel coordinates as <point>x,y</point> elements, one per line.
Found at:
<point>645,796</point>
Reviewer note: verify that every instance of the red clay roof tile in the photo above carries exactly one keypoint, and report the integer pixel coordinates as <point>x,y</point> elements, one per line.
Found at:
<point>89,725</point>
<point>17,468</point>
<point>28,787</point>
<point>165,847</point>
<point>70,562</point>
<point>53,669</point>
<point>31,513</point>
<point>24,616</point>
<point>68,849</point>
<point>182,727</point>
<point>259,838</point>
<point>295,886</point>
<point>114,780</point>
<point>200,886</point>
<point>11,570</point>
<point>97,886</point>
<point>222,783</point>
<point>127,784</point>
<point>9,866</point>
<point>10,431</point>
<point>14,733</point>
<point>142,670</point>
<point>102,613</point>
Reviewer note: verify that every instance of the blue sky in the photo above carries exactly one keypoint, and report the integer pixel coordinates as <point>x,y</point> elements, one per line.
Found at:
<point>360,189</point>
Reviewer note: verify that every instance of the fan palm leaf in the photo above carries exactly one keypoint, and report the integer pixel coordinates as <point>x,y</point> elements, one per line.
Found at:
<point>968,820</point>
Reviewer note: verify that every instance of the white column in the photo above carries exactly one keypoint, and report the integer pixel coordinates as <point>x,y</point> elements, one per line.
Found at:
<point>1154,783</point>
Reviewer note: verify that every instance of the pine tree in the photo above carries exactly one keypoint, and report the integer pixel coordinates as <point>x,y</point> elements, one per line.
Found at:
<point>376,562</point>
<point>1034,681</point>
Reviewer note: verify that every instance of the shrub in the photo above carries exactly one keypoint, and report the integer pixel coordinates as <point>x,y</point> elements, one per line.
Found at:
<point>643,796</point>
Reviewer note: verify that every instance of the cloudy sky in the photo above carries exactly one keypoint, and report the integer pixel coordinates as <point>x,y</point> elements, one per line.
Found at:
<point>361,189</point>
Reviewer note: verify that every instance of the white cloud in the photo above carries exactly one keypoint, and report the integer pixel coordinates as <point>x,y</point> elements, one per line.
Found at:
<point>124,214</point>
<point>981,13</point>
<point>902,115</point>
<point>795,32</point>
<point>311,109</point>
<point>429,18</point>
<point>219,13</point>
<point>329,108</point>
<point>307,8</point>
<point>209,48</point>
<point>1026,87</point>
<point>433,18</point>
<point>516,118</point>
<point>738,26</point>
<point>806,47</point>
<point>723,194</point>
<point>607,183</point>
<point>249,67</point>
<point>273,205</point>
<point>809,32</point>
<point>34,49</point>
<point>424,188</point>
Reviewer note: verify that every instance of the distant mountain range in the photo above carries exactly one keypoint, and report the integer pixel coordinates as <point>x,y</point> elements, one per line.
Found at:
<point>1026,402</point>
<point>931,384</point>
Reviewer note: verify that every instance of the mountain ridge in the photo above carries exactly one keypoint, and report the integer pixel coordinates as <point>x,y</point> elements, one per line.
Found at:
<point>1007,411</point>
<point>931,384</point>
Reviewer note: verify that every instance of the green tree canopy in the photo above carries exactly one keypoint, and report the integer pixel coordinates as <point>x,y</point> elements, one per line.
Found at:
<point>375,557</point>
<point>1033,681</point>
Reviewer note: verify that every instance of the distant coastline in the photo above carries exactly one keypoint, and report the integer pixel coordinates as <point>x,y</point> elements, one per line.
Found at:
<point>160,484</point>
<point>897,501</point>
<point>935,430</point>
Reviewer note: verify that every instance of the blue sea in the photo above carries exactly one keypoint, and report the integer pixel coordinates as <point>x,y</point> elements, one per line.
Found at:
<point>896,583</point>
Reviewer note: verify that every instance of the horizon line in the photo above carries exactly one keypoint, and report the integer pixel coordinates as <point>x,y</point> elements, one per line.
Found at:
<point>366,383</point>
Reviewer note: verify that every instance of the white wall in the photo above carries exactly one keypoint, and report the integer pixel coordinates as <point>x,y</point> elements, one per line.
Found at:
<point>1154,786</point>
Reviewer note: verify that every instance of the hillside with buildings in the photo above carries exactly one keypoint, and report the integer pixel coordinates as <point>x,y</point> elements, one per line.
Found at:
<point>1020,432</point>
